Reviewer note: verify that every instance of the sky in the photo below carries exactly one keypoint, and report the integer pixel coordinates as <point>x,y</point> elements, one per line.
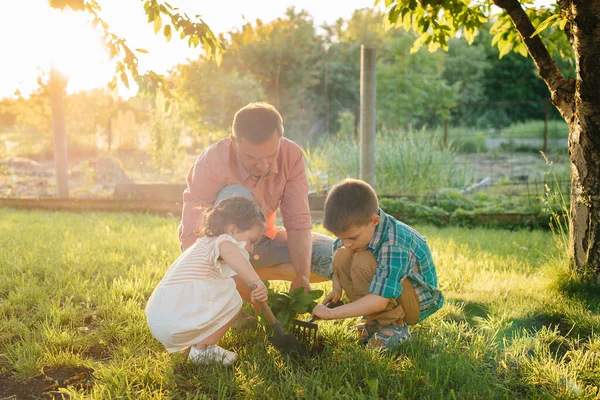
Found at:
<point>29,46</point>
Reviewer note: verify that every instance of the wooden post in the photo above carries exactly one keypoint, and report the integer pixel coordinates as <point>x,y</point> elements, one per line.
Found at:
<point>56,89</point>
<point>368,63</point>
<point>545,125</point>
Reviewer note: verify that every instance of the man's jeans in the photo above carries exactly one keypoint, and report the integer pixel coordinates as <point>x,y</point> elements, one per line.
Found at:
<point>269,252</point>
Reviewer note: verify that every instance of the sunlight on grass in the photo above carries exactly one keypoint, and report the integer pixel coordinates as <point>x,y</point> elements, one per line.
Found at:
<point>73,288</point>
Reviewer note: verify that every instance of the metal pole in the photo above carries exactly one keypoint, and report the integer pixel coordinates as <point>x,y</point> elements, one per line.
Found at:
<point>56,88</point>
<point>367,113</point>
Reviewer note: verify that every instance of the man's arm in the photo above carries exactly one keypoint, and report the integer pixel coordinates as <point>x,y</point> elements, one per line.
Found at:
<point>296,219</point>
<point>300,247</point>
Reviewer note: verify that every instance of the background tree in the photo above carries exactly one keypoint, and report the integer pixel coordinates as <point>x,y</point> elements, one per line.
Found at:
<point>210,95</point>
<point>411,90</point>
<point>569,27</point>
<point>285,57</point>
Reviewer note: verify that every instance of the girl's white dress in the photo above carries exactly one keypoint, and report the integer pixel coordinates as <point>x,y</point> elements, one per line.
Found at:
<point>196,297</point>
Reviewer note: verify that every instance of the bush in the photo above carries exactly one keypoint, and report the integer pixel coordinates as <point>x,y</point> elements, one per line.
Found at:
<point>407,162</point>
<point>475,144</point>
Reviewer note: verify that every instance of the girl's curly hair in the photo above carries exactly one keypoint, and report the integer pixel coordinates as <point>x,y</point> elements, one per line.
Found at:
<point>239,211</point>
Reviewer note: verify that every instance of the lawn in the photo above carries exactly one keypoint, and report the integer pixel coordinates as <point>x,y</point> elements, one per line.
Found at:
<point>73,288</point>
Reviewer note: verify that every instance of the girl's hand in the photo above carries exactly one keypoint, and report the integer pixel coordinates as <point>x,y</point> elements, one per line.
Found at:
<point>322,312</point>
<point>260,292</point>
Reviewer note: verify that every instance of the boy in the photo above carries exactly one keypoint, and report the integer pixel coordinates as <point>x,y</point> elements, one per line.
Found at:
<point>384,266</point>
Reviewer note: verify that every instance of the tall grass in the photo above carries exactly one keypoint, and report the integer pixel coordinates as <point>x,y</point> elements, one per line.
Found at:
<point>406,162</point>
<point>554,199</point>
<point>534,129</point>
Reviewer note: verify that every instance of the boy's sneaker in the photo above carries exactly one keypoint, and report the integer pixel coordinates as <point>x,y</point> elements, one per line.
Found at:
<point>389,336</point>
<point>212,353</point>
<point>365,329</point>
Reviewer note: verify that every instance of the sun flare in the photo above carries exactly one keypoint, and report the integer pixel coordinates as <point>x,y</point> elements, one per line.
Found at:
<point>63,38</point>
<point>75,48</point>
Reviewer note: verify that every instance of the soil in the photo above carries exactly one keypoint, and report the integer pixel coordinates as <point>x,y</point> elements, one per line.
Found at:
<point>25,178</point>
<point>47,385</point>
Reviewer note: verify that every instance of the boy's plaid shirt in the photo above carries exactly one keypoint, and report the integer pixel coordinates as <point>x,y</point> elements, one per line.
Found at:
<point>402,252</point>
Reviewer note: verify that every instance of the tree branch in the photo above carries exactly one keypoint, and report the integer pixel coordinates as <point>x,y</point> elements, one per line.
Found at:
<point>562,91</point>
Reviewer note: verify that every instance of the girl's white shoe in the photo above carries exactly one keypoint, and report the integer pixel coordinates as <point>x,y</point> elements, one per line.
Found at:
<point>212,353</point>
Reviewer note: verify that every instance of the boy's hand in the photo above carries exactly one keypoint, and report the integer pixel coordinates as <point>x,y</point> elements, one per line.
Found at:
<point>322,312</point>
<point>260,292</point>
<point>334,296</point>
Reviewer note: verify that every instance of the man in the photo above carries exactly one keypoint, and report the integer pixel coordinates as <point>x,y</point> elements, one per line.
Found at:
<point>257,161</point>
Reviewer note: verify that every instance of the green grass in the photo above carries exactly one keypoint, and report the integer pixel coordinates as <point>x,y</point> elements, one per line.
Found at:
<point>73,288</point>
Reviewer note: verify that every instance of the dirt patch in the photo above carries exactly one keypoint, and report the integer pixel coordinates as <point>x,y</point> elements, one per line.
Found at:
<point>13,390</point>
<point>26,178</point>
<point>47,385</point>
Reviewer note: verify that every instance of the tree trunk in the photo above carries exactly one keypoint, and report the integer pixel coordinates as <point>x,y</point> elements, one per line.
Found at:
<point>579,104</point>
<point>584,142</point>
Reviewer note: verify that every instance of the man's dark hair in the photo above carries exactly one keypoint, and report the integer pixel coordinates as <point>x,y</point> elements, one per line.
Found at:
<point>349,204</point>
<point>257,122</point>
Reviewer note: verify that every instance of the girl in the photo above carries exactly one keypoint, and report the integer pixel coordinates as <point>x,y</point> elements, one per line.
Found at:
<point>196,301</point>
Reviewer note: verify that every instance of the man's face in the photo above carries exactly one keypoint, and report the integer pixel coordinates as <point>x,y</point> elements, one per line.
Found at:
<point>258,159</point>
<point>357,238</point>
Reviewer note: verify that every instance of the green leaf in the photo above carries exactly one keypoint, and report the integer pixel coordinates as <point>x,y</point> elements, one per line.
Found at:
<point>407,21</point>
<point>297,291</point>
<point>124,79</point>
<point>219,57</point>
<point>541,27</point>
<point>157,24</point>
<point>469,35</point>
<point>303,303</point>
<point>284,317</point>
<point>167,32</point>
<point>393,15</point>
<point>521,49</point>
<point>419,42</point>
<point>504,47</point>
<point>496,38</point>
<point>316,294</point>
<point>142,51</point>
<point>299,308</point>
<point>563,23</point>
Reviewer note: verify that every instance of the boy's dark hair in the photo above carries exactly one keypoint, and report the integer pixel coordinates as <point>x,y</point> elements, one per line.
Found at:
<point>239,211</point>
<point>350,203</point>
<point>257,123</point>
